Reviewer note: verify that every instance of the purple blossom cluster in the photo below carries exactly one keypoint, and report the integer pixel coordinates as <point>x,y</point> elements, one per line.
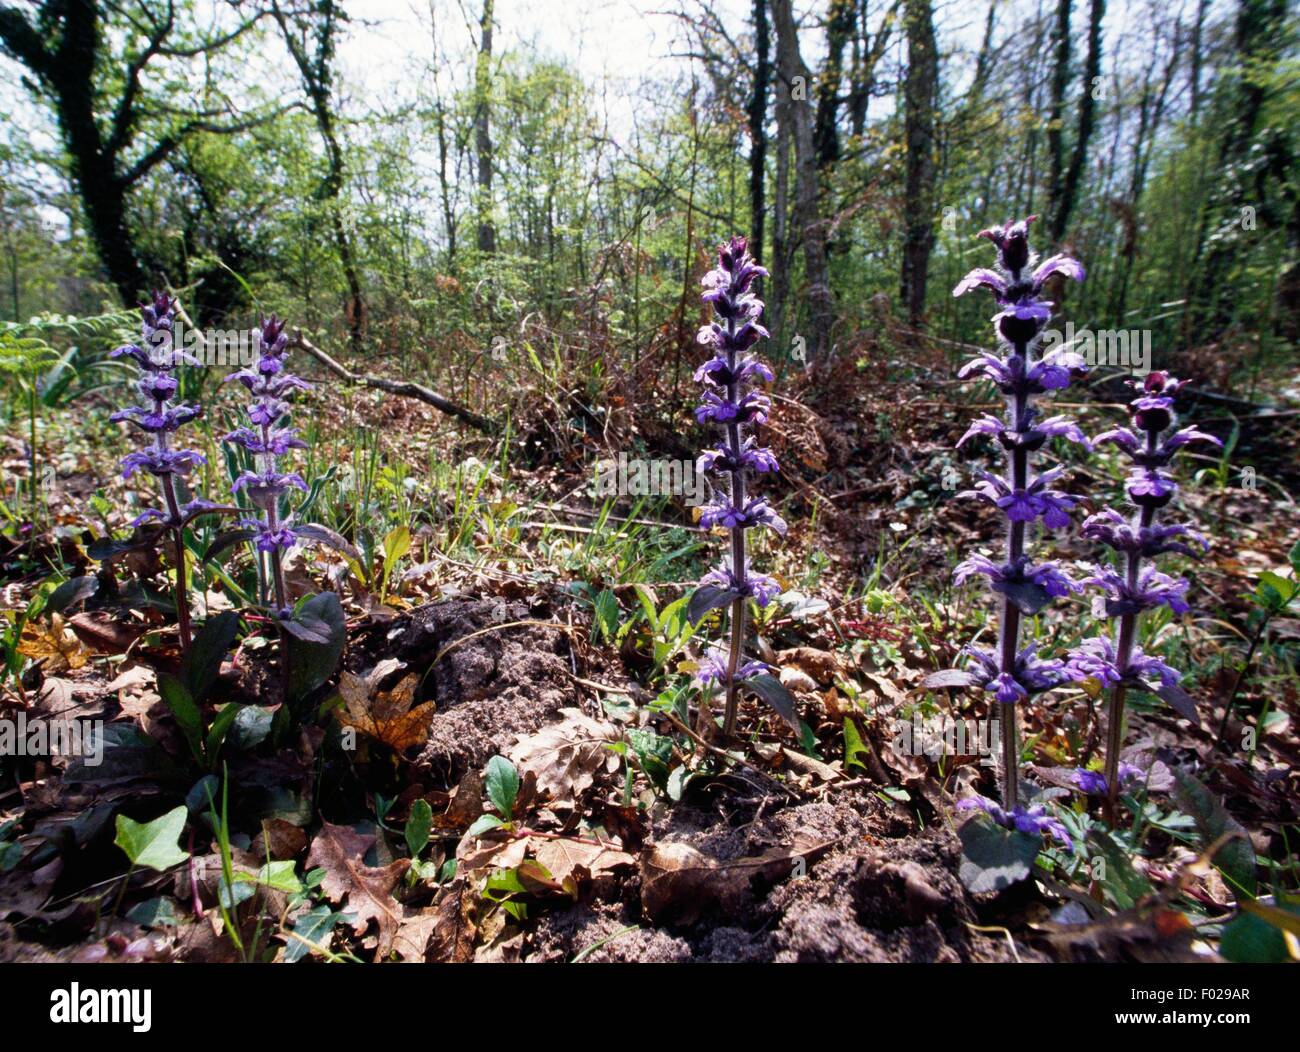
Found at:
<point>731,402</point>
<point>1119,663</point>
<point>160,417</point>
<point>1018,285</point>
<point>270,386</point>
<point>1034,820</point>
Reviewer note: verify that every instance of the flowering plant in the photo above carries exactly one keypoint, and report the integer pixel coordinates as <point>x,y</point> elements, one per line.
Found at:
<point>1119,664</point>
<point>730,402</point>
<point>1014,674</point>
<point>267,486</point>
<point>158,416</point>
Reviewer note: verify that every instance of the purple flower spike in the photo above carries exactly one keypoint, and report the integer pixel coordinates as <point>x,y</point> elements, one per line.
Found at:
<point>1013,674</point>
<point>157,357</point>
<point>1138,585</point>
<point>730,402</point>
<point>268,440</point>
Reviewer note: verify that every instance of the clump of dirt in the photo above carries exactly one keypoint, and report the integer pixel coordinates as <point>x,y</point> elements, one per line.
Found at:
<point>879,892</point>
<point>493,679</point>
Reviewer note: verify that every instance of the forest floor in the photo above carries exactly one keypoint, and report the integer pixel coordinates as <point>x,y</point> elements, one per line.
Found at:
<point>624,836</point>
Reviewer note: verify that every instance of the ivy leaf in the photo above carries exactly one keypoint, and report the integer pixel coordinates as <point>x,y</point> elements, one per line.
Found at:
<point>310,930</point>
<point>153,844</point>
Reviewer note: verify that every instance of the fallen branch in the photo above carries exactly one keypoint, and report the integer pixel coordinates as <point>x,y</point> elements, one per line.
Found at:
<point>405,388</point>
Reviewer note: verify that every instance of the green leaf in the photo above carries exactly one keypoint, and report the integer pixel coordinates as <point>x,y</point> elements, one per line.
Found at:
<point>223,541</point>
<point>220,727</point>
<point>417,827</point>
<point>774,692</point>
<point>1124,885</point>
<point>311,664</point>
<point>854,746</point>
<point>1235,858</point>
<point>709,597</point>
<point>484,824</point>
<point>278,875</point>
<point>677,782</point>
<point>154,913</point>
<point>202,662</point>
<point>993,858</point>
<point>1293,556</point>
<point>315,533</point>
<point>312,929</point>
<point>606,616</point>
<point>183,709</point>
<point>72,591</point>
<point>502,783</point>
<point>153,844</point>
<point>397,542</point>
<point>1250,939</point>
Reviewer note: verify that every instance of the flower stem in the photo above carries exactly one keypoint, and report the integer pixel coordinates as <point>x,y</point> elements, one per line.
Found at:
<point>178,541</point>
<point>1017,479</point>
<point>737,619</point>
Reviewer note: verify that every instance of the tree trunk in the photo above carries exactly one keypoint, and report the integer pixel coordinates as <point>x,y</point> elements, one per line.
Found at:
<point>1056,115</point>
<point>794,76</point>
<point>839,27</point>
<point>1258,40</point>
<point>920,86</point>
<point>1087,114</point>
<point>487,234</point>
<point>317,73</point>
<point>758,129</point>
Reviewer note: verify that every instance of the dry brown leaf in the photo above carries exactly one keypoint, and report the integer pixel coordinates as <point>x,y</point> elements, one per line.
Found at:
<point>452,941</point>
<point>52,644</point>
<point>575,864</point>
<point>105,634</point>
<point>565,756</point>
<point>414,931</point>
<point>283,839</point>
<point>386,715</point>
<point>679,882</point>
<point>367,890</point>
<point>821,665</point>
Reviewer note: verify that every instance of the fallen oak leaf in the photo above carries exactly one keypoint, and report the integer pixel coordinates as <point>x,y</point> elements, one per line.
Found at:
<point>566,755</point>
<point>367,890</point>
<point>53,645</point>
<point>386,716</point>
